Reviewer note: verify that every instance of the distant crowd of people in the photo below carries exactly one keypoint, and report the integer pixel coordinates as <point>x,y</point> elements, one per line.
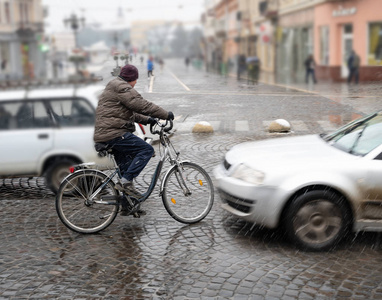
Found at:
<point>251,66</point>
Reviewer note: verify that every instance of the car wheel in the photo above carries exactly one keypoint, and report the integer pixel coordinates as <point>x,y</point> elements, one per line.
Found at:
<point>317,220</point>
<point>57,172</point>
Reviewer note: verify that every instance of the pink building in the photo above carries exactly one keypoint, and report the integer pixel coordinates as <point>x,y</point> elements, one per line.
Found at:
<point>343,26</point>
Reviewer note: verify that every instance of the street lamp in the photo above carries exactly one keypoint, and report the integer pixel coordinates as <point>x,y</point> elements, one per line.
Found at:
<point>74,22</point>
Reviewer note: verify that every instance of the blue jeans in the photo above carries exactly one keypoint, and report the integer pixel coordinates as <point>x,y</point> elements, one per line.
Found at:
<point>131,154</point>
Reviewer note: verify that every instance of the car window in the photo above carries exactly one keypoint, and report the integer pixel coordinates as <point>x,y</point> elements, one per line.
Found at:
<point>23,115</point>
<point>370,139</point>
<point>361,139</point>
<point>73,112</point>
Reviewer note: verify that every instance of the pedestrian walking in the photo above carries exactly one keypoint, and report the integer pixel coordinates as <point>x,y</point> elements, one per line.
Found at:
<point>353,62</point>
<point>310,65</point>
<point>187,61</point>
<point>150,67</point>
<point>241,65</point>
<point>253,66</point>
<point>161,64</point>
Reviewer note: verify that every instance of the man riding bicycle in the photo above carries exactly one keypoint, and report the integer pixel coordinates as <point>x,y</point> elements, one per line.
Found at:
<point>119,107</point>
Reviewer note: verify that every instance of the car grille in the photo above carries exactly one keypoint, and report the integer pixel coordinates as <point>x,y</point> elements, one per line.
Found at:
<point>226,164</point>
<point>243,205</point>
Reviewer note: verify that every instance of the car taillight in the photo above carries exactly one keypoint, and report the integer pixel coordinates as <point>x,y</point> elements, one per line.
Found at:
<point>71,169</point>
<point>142,128</point>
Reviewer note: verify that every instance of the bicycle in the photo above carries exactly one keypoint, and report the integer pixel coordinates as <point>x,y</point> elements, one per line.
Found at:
<point>88,202</point>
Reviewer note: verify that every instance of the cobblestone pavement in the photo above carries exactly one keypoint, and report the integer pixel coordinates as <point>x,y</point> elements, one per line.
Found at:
<point>155,257</point>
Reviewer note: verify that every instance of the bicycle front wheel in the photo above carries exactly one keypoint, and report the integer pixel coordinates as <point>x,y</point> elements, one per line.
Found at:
<point>81,212</point>
<point>188,193</point>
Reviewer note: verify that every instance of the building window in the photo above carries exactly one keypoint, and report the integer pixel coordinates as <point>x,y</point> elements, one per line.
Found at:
<point>324,45</point>
<point>4,58</point>
<point>307,37</point>
<point>7,13</point>
<point>26,12</point>
<point>375,44</point>
<point>21,10</point>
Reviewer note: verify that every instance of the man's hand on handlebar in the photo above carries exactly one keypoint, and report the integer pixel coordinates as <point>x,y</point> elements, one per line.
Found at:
<point>151,121</point>
<point>170,116</point>
<point>166,126</point>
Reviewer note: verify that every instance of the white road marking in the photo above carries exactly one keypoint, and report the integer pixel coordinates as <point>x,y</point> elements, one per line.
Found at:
<point>298,125</point>
<point>151,84</point>
<point>267,123</point>
<point>180,82</point>
<point>186,126</point>
<point>241,126</point>
<point>215,124</point>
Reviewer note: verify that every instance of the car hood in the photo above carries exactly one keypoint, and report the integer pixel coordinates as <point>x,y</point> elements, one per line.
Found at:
<point>299,152</point>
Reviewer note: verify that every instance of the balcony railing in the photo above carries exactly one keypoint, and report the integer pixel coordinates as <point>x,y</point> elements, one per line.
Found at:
<point>34,26</point>
<point>28,29</point>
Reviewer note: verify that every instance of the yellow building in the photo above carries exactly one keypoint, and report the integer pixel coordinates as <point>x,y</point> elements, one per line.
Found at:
<point>139,31</point>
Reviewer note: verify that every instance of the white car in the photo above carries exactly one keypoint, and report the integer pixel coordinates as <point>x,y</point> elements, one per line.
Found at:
<point>316,187</point>
<point>44,131</point>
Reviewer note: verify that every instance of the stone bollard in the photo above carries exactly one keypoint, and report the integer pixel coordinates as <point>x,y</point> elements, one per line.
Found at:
<point>279,125</point>
<point>202,127</point>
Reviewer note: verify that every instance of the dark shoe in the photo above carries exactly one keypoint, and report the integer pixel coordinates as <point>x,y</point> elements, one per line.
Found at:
<point>129,189</point>
<point>125,212</point>
<point>141,212</point>
<point>128,212</point>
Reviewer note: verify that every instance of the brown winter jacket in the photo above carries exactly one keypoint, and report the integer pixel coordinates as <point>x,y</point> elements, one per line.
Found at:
<point>119,107</point>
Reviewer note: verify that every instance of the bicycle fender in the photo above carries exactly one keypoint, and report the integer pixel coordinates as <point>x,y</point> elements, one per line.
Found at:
<point>167,172</point>
<point>86,170</point>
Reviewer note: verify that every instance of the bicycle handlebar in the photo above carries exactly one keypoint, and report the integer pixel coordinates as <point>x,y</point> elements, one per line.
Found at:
<point>163,126</point>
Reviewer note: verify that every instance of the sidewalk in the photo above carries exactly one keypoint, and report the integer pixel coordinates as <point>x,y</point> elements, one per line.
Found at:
<point>340,92</point>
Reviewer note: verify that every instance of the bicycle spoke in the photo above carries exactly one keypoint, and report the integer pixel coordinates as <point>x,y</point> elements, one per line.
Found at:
<point>81,213</point>
<point>193,204</point>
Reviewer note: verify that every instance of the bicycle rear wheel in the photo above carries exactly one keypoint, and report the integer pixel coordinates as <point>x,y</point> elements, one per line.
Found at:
<point>188,193</point>
<point>78,211</point>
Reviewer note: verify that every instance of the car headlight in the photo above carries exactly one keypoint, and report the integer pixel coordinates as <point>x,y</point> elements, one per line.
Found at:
<point>248,174</point>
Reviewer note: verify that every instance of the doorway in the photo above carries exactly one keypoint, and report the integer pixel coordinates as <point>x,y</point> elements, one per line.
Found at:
<point>347,47</point>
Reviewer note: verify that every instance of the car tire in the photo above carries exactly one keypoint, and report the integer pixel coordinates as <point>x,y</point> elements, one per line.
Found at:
<point>317,220</point>
<point>57,171</point>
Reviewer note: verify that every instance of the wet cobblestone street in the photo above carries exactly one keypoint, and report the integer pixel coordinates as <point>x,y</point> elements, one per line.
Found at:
<point>155,257</point>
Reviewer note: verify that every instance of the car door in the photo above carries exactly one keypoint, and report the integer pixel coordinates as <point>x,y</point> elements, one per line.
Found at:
<point>372,203</point>
<point>75,119</point>
<point>370,139</point>
<point>25,135</point>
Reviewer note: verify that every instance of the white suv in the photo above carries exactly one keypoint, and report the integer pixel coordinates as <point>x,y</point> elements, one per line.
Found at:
<point>44,131</point>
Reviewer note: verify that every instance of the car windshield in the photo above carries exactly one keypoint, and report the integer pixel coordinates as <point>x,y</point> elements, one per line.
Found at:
<point>358,137</point>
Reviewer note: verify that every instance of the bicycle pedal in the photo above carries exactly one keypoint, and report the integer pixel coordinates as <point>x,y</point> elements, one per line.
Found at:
<point>136,215</point>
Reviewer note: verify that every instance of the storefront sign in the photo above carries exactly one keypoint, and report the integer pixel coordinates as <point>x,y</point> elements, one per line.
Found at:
<point>340,12</point>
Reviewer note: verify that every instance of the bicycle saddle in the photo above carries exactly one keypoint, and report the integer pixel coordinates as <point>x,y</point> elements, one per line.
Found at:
<point>102,149</point>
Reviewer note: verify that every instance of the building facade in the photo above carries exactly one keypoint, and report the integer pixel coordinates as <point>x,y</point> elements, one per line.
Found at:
<point>343,26</point>
<point>294,34</point>
<point>283,33</point>
<point>21,35</point>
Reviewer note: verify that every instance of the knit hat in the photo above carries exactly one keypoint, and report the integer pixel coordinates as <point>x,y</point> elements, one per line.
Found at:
<point>129,73</point>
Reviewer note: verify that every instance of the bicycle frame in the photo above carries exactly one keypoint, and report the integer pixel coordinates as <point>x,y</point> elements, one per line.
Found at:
<point>173,158</point>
